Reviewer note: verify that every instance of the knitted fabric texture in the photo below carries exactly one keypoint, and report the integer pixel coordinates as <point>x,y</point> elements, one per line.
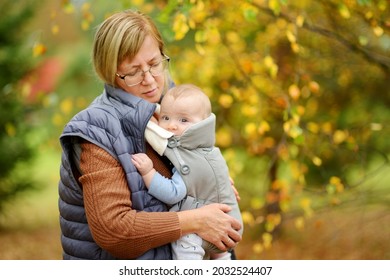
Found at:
<point>117,228</point>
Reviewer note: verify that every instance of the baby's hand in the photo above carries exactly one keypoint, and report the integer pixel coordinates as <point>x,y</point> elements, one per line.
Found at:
<point>142,162</point>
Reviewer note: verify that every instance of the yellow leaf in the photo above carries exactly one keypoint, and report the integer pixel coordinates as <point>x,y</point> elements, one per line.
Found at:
<point>57,119</point>
<point>225,100</point>
<point>191,23</point>
<point>301,110</point>
<point>335,201</point>
<point>363,40</point>
<point>376,126</point>
<point>66,106</point>
<point>198,13</point>
<point>86,6</point>
<point>305,204</point>
<point>294,91</point>
<point>223,138</point>
<point>39,49</point>
<point>26,89</point>
<point>268,61</point>
<point>55,29</point>
<point>295,47</point>
<point>233,37</point>
<point>249,111</point>
<point>291,37</point>
<point>344,11</point>
<point>336,182</point>
<point>279,184</point>
<point>317,161</point>
<point>258,248</point>
<point>313,127</point>
<point>274,5</point>
<point>369,15</point>
<point>326,127</point>
<point>273,71</point>
<point>292,130</point>
<point>300,21</point>
<point>378,31</point>
<point>264,127</point>
<point>200,36</point>
<point>299,223</point>
<point>85,25</point>
<point>271,66</point>
<point>267,240</point>
<point>10,129</point>
<point>250,129</point>
<point>269,142</point>
<point>314,87</point>
<point>330,189</point>
<point>213,36</point>
<point>339,136</point>
<point>180,26</point>
<point>272,221</point>
<point>247,218</point>
<point>137,2</point>
<point>246,65</point>
<point>200,49</point>
<point>256,203</point>
<point>68,7</point>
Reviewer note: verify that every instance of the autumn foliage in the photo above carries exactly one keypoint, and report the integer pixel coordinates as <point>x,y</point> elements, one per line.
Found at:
<point>300,89</point>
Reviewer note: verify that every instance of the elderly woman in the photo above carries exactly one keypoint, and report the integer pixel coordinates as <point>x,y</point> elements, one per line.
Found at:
<point>105,209</point>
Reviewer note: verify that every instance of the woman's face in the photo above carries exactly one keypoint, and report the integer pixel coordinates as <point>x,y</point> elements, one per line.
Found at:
<point>151,87</point>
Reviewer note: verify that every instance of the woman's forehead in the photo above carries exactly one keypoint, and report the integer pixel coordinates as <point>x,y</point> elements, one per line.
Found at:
<point>149,51</point>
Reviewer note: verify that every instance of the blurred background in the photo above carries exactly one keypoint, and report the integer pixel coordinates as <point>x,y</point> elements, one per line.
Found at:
<point>301,90</point>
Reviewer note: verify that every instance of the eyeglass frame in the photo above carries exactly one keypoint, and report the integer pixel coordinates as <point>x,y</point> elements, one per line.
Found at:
<point>123,77</point>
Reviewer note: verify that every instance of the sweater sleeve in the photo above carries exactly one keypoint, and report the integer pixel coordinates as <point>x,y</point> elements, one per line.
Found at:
<point>115,226</point>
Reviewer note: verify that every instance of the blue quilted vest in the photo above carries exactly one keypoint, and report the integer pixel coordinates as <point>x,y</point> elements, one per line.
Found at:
<point>115,121</point>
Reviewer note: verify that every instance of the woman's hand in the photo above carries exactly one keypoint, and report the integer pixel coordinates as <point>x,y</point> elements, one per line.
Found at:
<point>234,189</point>
<point>212,224</point>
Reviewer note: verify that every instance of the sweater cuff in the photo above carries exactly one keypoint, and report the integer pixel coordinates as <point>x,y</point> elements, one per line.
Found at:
<point>167,226</point>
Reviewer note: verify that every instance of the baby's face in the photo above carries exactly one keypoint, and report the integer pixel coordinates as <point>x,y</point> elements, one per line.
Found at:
<point>178,114</point>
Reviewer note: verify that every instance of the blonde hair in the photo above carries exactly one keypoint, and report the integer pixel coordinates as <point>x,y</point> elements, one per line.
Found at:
<point>190,90</point>
<point>120,37</point>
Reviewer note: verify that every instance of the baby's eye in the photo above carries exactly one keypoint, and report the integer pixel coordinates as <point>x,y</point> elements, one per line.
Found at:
<point>165,118</point>
<point>183,120</point>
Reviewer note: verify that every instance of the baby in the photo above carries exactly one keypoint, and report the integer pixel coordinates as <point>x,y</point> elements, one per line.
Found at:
<point>185,134</point>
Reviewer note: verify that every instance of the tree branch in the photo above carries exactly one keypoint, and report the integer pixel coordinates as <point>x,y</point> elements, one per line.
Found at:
<point>381,60</point>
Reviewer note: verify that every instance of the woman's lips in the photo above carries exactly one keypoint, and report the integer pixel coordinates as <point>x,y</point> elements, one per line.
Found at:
<point>150,93</point>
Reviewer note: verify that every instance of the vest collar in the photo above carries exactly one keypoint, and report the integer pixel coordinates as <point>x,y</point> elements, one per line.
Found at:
<point>123,96</point>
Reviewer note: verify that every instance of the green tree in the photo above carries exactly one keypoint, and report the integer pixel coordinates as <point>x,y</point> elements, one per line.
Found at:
<point>16,60</point>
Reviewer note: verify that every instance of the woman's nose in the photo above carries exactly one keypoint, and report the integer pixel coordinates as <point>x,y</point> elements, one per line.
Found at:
<point>148,78</point>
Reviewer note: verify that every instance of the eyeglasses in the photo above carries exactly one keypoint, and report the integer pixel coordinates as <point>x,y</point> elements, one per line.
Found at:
<point>137,76</point>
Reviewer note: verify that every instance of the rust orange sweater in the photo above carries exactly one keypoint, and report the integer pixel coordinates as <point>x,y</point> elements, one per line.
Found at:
<point>115,226</point>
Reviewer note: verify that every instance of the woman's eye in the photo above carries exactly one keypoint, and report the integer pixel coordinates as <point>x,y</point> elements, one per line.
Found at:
<point>134,73</point>
<point>155,64</point>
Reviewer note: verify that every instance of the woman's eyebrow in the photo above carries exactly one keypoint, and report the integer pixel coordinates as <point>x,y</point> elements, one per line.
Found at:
<point>138,66</point>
